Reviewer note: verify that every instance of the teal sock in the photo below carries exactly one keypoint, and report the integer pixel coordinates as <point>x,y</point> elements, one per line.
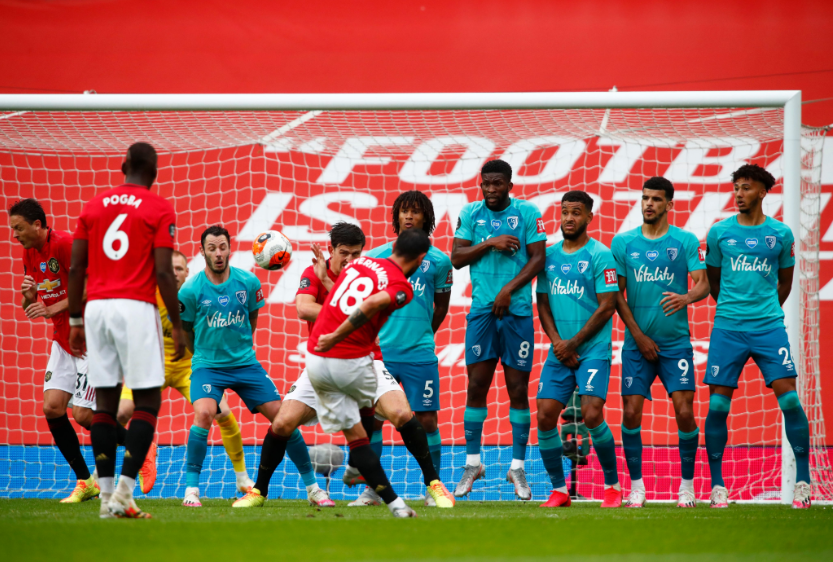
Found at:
<point>798,433</point>
<point>298,453</point>
<point>195,455</point>
<point>520,422</point>
<point>632,444</point>
<point>717,434</point>
<point>435,446</point>
<point>473,420</point>
<point>688,452</point>
<point>376,442</point>
<point>551,449</point>
<point>606,451</point>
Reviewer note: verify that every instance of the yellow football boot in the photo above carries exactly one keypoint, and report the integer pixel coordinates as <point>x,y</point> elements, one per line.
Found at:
<point>251,499</point>
<point>442,497</point>
<point>84,490</point>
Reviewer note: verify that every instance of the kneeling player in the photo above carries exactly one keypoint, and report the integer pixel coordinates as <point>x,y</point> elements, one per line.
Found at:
<point>653,262</point>
<point>219,311</point>
<point>576,300</point>
<point>750,262</point>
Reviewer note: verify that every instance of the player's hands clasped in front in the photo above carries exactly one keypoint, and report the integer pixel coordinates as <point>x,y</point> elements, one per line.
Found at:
<point>647,347</point>
<point>29,288</point>
<point>502,302</point>
<point>565,351</point>
<point>325,342</point>
<point>505,243</point>
<point>178,336</point>
<point>77,341</point>
<point>672,302</point>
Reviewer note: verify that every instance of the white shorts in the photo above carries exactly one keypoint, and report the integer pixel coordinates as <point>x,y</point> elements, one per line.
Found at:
<point>124,344</point>
<point>69,373</point>
<point>303,392</point>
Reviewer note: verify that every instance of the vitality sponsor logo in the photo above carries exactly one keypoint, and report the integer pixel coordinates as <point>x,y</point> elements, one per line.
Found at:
<point>220,320</point>
<point>741,263</point>
<point>419,288</point>
<point>568,288</point>
<point>644,273</point>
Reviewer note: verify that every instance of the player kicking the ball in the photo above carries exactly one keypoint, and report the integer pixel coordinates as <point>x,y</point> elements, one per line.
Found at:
<point>124,239</point>
<point>576,301</point>
<point>750,262</point>
<point>653,262</point>
<point>504,241</point>
<point>301,404</point>
<point>219,308</point>
<point>178,376</point>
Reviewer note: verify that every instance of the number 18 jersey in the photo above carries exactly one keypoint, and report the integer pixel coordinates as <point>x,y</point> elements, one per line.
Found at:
<point>123,226</point>
<point>359,280</point>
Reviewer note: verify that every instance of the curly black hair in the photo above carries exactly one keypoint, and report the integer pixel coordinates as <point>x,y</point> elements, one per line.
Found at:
<point>660,184</point>
<point>416,200</point>
<point>755,173</point>
<point>576,196</point>
<point>346,234</point>
<point>30,210</point>
<point>497,167</point>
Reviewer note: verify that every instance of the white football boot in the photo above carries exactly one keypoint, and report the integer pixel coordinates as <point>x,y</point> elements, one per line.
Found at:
<point>192,497</point>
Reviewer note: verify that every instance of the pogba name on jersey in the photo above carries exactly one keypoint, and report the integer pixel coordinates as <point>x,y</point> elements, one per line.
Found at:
<point>644,274</point>
<point>742,264</point>
<point>381,274</point>
<point>220,320</point>
<point>570,288</point>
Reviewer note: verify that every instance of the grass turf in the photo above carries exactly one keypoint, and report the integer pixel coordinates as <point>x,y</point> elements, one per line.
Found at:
<point>34,529</point>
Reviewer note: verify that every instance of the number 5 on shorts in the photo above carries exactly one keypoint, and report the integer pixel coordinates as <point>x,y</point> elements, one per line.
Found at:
<point>429,390</point>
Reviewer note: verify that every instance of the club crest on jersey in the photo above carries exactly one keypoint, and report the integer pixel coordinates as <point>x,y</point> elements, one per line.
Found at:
<point>672,253</point>
<point>476,350</point>
<point>652,255</point>
<point>53,265</point>
<point>628,382</point>
<point>206,388</point>
<point>715,370</point>
<point>224,300</point>
<point>751,242</point>
<point>565,268</point>
<point>241,296</point>
<point>635,255</point>
<point>425,265</point>
<point>582,266</point>
<point>496,224</point>
<point>770,241</point>
<point>48,376</point>
<point>43,267</point>
<point>512,222</point>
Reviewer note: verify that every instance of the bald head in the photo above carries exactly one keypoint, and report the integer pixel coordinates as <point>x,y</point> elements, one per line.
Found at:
<point>139,165</point>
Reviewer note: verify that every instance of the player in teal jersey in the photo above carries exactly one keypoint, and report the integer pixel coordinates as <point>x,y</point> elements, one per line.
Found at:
<point>750,261</point>
<point>219,309</point>
<point>653,262</point>
<point>503,240</point>
<point>407,339</point>
<point>576,301</point>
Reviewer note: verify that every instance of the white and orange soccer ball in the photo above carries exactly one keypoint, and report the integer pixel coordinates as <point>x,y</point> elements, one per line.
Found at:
<point>272,250</point>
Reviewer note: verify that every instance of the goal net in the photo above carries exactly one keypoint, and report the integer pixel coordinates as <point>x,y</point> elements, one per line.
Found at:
<point>302,170</point>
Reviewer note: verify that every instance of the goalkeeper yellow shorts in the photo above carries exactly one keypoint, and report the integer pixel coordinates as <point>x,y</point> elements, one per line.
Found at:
<point>177,376</point>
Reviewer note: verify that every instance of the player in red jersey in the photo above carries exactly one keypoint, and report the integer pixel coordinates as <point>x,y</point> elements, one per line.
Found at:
<point>46,259</point>
<point>124,243</point>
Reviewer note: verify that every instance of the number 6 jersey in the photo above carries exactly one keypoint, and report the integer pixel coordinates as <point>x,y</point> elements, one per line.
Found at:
<point>359,280</point>
<point>122,227</point>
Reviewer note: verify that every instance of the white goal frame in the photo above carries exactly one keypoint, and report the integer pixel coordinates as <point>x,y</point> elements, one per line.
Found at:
<point>789,100</point>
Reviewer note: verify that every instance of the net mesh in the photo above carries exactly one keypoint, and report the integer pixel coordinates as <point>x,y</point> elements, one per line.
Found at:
<point>300,172</point>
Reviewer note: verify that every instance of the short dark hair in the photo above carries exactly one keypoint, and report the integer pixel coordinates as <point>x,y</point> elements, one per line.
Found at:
<point>578,197</point>
<point>30,210</point>
<point>346,234</point>
<point>214,230</point>
<point>411,243</point>
<point>497,167</point>
<point>414,200</point>
<point>755,173</point>
<point>660,184</point>
<point>180,254</point>
<point>143,159</point>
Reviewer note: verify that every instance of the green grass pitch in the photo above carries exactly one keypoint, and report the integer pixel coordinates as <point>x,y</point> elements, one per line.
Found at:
<point>32,529</point>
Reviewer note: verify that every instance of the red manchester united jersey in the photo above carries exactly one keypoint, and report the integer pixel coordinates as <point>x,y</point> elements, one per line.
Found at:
<point>49,266</point>
<point>122,227</point>
<point>360,280</point>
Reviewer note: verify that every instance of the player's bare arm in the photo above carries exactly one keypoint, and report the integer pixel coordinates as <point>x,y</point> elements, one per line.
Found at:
<point>188,331</point>
<point>713,273</point>
<point>253,320</point>
<point>441,303</point>
<point>166,280</point>
<point>647,347</point>
<point>369,308</point>
<point>537,252</point>
<point>306,307</point>
<point>463,253</point>
<point>570,359</point>
<point>607,306</point>
<point>75,296</point>
<point>785,283</point>
<point>673,302</point>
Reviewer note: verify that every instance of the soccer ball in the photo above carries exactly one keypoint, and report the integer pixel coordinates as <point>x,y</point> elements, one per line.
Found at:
<point>272,250</point>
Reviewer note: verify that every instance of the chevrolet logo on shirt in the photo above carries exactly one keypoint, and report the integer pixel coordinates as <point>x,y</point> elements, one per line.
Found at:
<point>49,285</point>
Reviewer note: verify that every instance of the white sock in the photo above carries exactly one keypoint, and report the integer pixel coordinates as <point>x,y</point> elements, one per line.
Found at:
<point>687,485</point>
<point>398,503</point>
<point>312,487</point>
<point>242,476</point>
<point>562,489</point>
<point>107,485</point>
<point>126,485</point>
<point>637,484</point>
<point>473,460</point>
<point>617,487</point>
<point>516,463</point>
